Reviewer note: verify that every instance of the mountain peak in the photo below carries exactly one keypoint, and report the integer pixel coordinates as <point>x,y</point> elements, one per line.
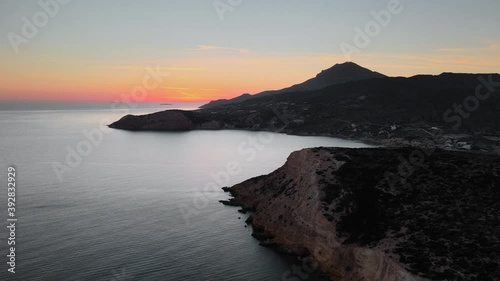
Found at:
<point>347,63</point>
<point>337,74</point>
<point>349,69</point>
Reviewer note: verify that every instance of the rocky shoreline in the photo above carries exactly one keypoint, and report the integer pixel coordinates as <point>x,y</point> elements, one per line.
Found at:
<point>425,208</point>
<point>389,111</point>
<point>351,214</point>
<point>402,136</point>
<point>406,250</point>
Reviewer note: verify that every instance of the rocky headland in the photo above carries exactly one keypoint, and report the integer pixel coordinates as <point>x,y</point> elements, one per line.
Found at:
<point>425,207</point>
<point>392,111</point>
<point>366,214</point>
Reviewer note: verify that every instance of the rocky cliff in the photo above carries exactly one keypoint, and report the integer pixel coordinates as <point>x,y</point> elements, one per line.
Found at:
<point>369,214</point>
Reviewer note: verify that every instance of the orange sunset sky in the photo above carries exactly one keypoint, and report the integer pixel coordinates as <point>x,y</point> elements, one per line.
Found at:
<point>98,50</point>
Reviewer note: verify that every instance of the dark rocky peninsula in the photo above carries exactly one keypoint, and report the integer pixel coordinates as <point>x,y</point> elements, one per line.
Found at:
<point>426,207</point>
<point>352,214</point>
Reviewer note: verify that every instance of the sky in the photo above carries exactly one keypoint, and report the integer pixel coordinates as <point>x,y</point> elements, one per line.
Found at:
<point>200,50</point>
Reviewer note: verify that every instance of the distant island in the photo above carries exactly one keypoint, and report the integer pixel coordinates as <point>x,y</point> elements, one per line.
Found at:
<point>425,206</point>
<point>166,104</point>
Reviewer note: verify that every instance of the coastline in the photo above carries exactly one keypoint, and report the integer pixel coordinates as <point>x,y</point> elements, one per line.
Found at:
<point>383,261</point>
<point>319,227</point>
<point>387,135</point>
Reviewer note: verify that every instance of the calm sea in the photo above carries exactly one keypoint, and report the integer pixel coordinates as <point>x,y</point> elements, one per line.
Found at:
<point>100,204</point>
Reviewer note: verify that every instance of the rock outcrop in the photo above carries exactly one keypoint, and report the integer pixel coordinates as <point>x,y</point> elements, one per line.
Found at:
<point>369,214</point>
<point>169,120</point>
<point>390,111</point>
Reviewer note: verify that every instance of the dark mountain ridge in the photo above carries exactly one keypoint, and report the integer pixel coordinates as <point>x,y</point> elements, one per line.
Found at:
<point>380,213</point>
<point>337,74</point>
<point>391,109</point>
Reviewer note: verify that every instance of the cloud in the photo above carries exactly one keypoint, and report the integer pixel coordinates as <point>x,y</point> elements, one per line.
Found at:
<point>487,47</point>
<point>186,94</point>
<point>142,67</point>
<point>218,48</point>
<point>175,88</point>
<point>433,63</point>
<point>483,57</point>
<point>182,88</point>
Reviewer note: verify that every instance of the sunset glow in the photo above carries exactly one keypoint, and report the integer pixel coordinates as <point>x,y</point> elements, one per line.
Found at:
<point>207,58</point>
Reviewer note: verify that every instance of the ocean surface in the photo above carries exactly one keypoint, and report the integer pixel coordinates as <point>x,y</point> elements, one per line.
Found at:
<point>94,203</point>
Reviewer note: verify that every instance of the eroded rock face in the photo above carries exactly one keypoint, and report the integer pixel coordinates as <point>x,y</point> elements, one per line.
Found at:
<point>344,210</point>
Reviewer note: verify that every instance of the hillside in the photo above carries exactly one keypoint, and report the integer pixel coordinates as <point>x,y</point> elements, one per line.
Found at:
<point>423,208</point>
<point>383,110</point>
<point>337,74</point>
<point>336,208</point>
